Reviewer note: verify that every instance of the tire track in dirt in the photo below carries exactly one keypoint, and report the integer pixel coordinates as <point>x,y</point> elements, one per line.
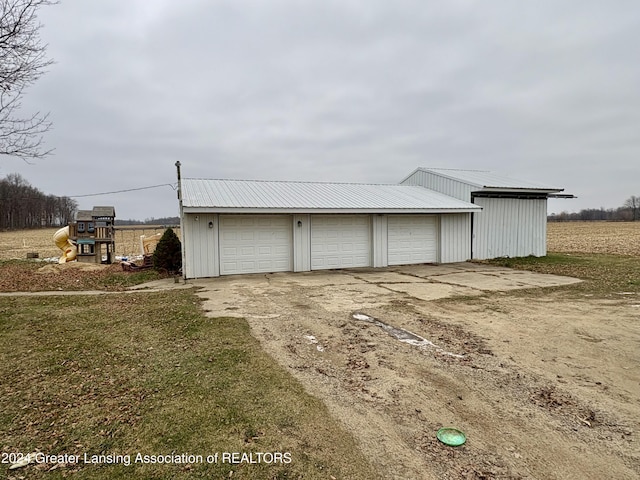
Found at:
<point>393,396</point>
<point>521,421</point>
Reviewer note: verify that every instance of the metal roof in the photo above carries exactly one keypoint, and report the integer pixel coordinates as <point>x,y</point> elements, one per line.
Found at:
<point>487,180</point>
<point>255,196</point>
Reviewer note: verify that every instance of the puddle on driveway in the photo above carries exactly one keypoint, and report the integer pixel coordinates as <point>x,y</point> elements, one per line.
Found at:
<point>403,335</point>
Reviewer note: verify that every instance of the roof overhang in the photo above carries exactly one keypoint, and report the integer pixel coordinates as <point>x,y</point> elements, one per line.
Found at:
<point>518,190</point>
<point>350,211</point>
<point>521,193</point>
<point>561,195</point>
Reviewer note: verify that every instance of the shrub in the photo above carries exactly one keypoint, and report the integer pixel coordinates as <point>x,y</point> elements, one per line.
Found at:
<point>168,254</point>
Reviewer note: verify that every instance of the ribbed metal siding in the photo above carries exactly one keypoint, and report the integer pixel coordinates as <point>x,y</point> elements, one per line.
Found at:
<point>380,241</point>
<point>302,243</point>
<point>509,227</point>
<point>201,245</point>
<point>484,179</point>
<point>447,186</point>
<point>455,233</point>
<point>476,179</point>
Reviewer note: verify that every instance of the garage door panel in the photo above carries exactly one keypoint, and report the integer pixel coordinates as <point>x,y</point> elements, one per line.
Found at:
<point>228,235</point>
<point>282,250</point>
<point>412,239</point>
<point>255,244</point>
<point>340,241</point>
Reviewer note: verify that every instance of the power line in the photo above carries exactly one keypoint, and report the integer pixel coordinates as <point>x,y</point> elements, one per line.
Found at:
<point>123,191</point>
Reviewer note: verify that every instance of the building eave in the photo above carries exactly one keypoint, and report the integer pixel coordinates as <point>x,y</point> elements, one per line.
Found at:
<point>519,190</point>
<point>351,211</point>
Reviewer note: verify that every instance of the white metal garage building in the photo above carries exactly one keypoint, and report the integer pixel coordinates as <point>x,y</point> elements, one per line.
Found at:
<point>235,226</point>
<point>513,220</point>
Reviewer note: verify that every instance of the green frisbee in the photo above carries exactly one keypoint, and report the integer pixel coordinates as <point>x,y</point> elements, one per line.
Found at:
<point>451,436</point>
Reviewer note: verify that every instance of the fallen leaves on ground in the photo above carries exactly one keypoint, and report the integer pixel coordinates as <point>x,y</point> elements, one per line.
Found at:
<point>24,276</point>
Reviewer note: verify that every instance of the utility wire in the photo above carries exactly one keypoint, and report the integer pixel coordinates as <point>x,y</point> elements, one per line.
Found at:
<point>123,191</point>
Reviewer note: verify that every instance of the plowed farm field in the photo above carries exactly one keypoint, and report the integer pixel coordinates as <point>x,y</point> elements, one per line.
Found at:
<point>618,238</point>
<point>17,244</point>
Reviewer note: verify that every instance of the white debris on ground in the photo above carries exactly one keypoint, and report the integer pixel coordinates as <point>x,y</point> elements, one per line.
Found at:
<point>129,258</point>
<point>313,340</point>
<point>24,461</point>
<point>405,336</point>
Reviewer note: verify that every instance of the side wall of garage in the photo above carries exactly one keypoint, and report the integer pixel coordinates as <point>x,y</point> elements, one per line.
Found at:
<point>200,238</point>
<point>510,227</point>
<point>455,237</point>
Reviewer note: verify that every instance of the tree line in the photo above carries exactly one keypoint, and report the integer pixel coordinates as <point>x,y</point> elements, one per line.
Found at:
<point>628,212</point>
<point>24,206</point>
<point>149,221</point>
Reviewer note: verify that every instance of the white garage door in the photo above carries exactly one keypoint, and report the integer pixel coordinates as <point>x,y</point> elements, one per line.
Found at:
<point>255,244</point>
<point>412,239</point>
<point>340,241</point>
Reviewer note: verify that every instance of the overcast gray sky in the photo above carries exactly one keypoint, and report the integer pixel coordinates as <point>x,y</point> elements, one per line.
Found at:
<point>352,90</point>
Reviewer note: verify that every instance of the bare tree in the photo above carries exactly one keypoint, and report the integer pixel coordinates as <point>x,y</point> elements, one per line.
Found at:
<point>633,204</point>
<point>24,206</point>
<point>22,61</point>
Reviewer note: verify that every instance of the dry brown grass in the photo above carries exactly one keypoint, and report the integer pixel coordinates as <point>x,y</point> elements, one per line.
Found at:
<point>16,244</point>
<point>149,373</point>
<point>28,276</point>
<point>617,238</point>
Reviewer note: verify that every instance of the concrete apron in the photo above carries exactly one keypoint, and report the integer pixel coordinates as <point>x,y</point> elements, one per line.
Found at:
<point>425,282</point>
<point>350,289</point>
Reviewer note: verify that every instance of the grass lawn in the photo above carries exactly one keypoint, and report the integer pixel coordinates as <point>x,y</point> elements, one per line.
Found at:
<point>603,274</point>
<point>148,373</point>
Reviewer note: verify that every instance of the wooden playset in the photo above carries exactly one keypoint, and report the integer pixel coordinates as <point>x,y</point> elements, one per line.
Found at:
<point>93,234</point>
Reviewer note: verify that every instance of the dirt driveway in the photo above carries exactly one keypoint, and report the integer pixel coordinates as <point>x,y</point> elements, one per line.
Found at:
<point>544,385</point>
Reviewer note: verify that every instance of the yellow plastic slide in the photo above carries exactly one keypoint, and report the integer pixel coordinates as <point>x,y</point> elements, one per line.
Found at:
<point>61,239</point>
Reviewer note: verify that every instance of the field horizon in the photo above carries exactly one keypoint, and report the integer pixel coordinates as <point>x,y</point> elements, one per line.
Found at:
<point>617,238</point>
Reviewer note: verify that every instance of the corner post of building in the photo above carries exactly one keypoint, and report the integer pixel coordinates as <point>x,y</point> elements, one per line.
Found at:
<point>182,232</point>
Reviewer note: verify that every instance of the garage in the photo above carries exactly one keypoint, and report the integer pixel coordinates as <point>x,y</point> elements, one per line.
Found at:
<point>412,239</point>
<point>259,226</point>
<point>340,241</point>
<point>255,243</point>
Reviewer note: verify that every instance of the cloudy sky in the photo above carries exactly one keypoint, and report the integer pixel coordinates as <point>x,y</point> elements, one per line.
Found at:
<point>352,90</point>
